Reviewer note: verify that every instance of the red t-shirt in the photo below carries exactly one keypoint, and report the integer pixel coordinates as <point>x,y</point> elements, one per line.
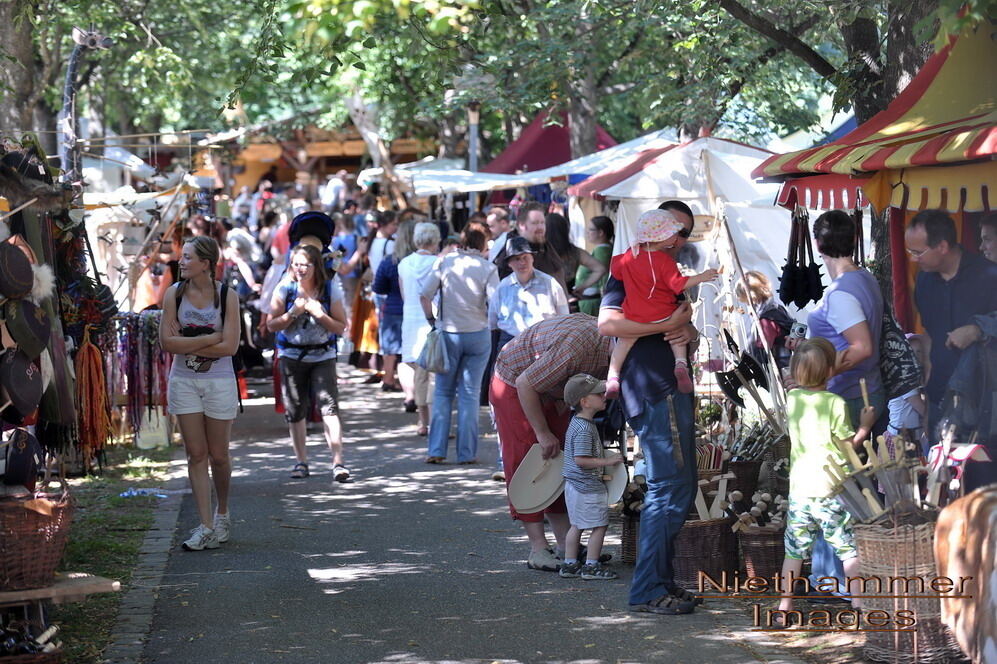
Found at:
<point>282,239</point>
<point>652,281</point>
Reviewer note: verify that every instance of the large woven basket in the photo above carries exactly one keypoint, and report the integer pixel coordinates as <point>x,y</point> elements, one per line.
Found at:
<point>704,546</point>
<point>32,543</point>
<point>628,539</point>
<point>904,551</point>
<point>762,551</point>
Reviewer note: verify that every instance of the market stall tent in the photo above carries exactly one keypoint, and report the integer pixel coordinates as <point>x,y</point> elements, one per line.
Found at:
<point>699,173</point>
<point>933,147</point>
<point>432,181</point>
<point>541,145</point>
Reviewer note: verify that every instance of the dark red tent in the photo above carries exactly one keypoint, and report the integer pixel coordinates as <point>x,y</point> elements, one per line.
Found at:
<point>541,147</point>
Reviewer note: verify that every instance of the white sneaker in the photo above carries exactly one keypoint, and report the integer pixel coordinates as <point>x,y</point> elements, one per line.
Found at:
<point>201,538</point>
<point>223,527</point>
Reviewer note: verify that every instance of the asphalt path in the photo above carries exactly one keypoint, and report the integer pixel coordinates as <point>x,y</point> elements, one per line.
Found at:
<point>408,563</point>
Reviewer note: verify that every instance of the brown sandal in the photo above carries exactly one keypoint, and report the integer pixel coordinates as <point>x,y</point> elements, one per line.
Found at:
<point>435,459</point>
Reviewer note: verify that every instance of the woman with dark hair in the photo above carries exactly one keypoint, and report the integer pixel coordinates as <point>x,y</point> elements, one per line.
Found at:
<point>600,232</point>
<point>465,280</point>
<point>849,315</point>
<point>389,330</point>
<point>202,332</point>
<point>307,313</point>
<point>573,257</point>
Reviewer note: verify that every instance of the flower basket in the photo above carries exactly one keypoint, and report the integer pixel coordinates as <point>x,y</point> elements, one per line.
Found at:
<point>33,535</point>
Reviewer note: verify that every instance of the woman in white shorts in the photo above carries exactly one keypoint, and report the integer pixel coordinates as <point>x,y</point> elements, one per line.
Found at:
<point>202,391</point>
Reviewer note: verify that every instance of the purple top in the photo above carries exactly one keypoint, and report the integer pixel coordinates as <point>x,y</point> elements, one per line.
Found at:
<point>861,285</point>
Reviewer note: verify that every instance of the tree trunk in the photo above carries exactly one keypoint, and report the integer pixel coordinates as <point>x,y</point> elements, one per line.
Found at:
<point>882,266</point>
<point>905,54</point>
<point>581,85</point>
<point>17,78</point>
<point>861,38</point>
<point>44,123</point>
<point>365,120</point>
<point>581,114</point>
<point>450,135</point>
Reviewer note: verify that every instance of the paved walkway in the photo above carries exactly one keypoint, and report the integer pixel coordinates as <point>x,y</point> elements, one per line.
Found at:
<point>409,563</point>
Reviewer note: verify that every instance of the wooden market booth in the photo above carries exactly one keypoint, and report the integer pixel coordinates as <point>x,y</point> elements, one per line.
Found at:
<point>304,155</point>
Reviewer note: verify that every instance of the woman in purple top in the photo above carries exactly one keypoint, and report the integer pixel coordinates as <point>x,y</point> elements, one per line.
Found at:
<point>850,316</point>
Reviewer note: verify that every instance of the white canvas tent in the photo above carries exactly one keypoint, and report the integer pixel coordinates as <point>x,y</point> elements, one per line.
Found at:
<point>430,182</point>
<point>712,176</point>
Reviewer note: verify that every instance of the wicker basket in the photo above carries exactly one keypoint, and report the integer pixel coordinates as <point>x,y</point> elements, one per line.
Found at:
<point>704,546</point>
<point>628,540</point>
<point>903,551</point>
<point>32,543</point>
<point>762,551</point>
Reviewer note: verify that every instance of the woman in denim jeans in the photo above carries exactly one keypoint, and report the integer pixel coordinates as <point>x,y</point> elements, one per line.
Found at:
<point>465,280</point>
<point>307,313</point>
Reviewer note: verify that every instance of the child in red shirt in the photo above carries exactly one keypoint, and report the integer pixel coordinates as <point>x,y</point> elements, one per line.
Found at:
<point>652,281</point>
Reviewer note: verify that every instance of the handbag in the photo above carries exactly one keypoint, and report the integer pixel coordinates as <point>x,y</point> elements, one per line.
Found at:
<point>898,363</point>
<point>434,357</point>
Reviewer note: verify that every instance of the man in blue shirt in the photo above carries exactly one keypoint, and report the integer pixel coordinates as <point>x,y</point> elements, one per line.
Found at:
<point>952,287</point>
<point>526,296</point>
<point>647,386</point>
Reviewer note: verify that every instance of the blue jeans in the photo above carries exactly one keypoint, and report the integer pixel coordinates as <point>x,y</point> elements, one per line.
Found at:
<point>468,353</point>
<point>671,481</point>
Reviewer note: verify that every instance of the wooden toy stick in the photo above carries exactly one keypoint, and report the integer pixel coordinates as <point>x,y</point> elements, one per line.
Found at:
<point>865,392</point>
<point>701,509</point>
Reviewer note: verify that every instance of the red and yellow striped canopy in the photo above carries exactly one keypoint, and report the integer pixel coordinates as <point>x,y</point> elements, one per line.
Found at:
<point>946,115</point>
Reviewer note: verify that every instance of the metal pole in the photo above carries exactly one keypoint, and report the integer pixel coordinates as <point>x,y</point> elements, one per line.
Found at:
<point>473,116</point>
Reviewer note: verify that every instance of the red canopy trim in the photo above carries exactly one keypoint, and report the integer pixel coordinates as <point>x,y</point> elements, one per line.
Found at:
<point>590,187</point>
<point>823,192</point>
<point>918,128</point>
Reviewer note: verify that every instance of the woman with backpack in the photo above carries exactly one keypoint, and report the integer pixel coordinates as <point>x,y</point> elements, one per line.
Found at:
<point>307,313</point>
<point>775,321</point>
<point>202,332</point>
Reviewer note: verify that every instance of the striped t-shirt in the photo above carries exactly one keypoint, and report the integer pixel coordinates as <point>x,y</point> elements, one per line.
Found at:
<point>582,439</point>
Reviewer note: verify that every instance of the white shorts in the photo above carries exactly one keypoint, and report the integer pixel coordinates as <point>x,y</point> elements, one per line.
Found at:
<point>586,510</point>
<point>217,398</point>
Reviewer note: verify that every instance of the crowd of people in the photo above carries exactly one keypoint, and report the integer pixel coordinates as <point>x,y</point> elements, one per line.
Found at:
<point>527,322</point>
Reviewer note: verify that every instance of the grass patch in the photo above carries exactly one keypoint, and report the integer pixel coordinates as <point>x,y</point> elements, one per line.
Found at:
<point>104,539</point>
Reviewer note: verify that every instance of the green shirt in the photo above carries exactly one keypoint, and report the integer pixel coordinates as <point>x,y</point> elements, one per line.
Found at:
<point>602,253</point>
<point>816,420</point>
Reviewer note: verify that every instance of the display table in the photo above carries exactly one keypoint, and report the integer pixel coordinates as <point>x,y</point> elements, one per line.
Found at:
<point>65,587</point>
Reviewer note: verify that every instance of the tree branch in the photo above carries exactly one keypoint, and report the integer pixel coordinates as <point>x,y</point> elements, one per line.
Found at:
<point>630,48</point>
<point>791,43</point>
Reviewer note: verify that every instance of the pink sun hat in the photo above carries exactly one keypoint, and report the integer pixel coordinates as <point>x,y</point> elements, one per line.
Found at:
<point>657,226</point>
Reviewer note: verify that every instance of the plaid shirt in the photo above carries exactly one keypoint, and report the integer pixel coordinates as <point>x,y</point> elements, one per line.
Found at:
<point>554,350</point>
